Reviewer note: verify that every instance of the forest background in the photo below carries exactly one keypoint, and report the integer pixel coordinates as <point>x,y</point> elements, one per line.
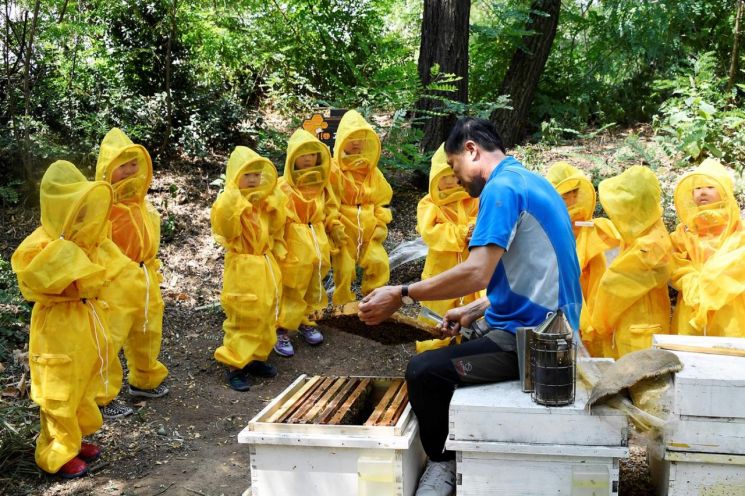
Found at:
<point>191,79</point>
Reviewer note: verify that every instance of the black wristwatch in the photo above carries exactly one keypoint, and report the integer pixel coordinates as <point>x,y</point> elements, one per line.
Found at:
<point>405,298</point>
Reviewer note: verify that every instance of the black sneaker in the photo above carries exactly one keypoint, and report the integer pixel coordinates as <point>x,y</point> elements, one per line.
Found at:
<point>158,392</point>
<point>261,369</point>
<point>237,380</point>
<point>115,410</point>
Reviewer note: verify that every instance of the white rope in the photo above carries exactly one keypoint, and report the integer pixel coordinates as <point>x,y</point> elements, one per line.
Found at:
<point>276,288</point>
<point>359,232</point>
<point>147,297</point>
<point>318,253</point>
<point>104,380</point>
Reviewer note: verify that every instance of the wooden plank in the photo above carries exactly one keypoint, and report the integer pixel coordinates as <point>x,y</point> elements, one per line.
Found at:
<point>308,402</point>
<point>323,401</point>
<point>396,408</point>
<point>351,402</point>
<point>380,408</point>
<point>330,410</point>
<point>714,350</point>
<point>288,405</point>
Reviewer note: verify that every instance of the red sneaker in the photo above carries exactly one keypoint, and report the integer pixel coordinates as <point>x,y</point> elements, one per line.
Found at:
<point>72,469</point>
<point>89,452</point>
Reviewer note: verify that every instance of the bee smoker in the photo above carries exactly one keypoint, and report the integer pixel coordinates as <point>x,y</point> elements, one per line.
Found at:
<point>552,361</point>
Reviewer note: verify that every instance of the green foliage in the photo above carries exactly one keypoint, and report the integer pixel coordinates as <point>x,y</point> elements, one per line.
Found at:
<point>699,118</point>
<point>20,426</point>
<point>15,313</point>
<point>9,194</point>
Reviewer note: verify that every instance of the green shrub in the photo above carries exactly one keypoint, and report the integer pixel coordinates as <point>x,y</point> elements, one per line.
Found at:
<point>15,313</point>
<point>700,118</point>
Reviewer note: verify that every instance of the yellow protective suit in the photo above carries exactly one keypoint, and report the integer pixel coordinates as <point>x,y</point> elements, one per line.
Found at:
<point>364,195</point>
<point>136,304</point>
<point>443,220</point>
<point>312,216</point>
<point>631,301</point>
<point>708,254</point>
<point>62,267</point>
<point>593,238</point>
<point>249,224</point>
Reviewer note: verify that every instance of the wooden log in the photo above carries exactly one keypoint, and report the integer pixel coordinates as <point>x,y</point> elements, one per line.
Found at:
<point>380,408</point>
<point>323,401</point>
<point>308,402</point>
<point>291,404</point>
<point>331,408</point>
<point>352,405</point>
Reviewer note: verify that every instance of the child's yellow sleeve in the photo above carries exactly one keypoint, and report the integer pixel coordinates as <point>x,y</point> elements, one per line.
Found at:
<point>438,233</point>
<point>47,269</point>
<point>225,215</point>
<point>278,207</point>
<point>381,196</point>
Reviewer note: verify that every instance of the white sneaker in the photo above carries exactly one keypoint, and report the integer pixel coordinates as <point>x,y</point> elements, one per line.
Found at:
<point>438,479</point>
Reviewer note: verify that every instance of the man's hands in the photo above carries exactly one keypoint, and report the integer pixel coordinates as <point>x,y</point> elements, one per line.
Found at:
<point>380,304</point>
<point>464,316</point>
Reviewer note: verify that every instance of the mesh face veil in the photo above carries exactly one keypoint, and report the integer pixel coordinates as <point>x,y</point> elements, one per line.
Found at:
<point>86,225</point>
<point>134,187</point>
<point>360,150</point>
<point>309,166</point>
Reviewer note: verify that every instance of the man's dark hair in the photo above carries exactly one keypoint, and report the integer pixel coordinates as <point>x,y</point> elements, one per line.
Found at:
<point>481,131</point>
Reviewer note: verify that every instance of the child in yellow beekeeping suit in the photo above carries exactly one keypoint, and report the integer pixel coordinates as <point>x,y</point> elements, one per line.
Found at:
<point>708,253</point>
<point>136,305</point>
<point>631,300</point>
<point>62,267</point>
<point>364,195</point>
<point>445,218</point>
<point>248,220</point>
<point>311,214</point>
<point>593,238</point>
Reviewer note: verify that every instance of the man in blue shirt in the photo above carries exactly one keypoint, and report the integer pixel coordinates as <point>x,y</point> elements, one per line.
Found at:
<point>522,251</point>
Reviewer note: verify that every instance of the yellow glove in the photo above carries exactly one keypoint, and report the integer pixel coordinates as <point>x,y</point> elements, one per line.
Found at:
<point>379,233</point>
<point>338,235</point>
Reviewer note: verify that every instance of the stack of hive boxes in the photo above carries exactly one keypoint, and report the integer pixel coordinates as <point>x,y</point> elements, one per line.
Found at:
<point>703,450</point>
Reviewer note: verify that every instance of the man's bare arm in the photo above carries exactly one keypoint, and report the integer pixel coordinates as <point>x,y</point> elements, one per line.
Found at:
<point>465,278</point>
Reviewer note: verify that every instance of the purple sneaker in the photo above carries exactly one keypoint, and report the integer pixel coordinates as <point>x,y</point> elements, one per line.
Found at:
<point>311,335</point>
<point>283,347</point>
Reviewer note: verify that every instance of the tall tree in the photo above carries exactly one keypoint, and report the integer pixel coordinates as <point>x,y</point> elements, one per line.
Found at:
<point>444,43</point>
<point>735,59</point>
<point>526,68</point>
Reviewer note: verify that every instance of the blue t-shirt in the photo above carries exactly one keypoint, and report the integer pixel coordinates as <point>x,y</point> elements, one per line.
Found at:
<point>539,273</point>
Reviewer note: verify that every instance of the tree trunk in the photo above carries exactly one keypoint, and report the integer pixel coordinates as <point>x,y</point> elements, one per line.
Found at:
<point>525,70</point>
<point>444,42</point>
<point>169,97</point>
<point>735,46</point>
<point>26,143</point>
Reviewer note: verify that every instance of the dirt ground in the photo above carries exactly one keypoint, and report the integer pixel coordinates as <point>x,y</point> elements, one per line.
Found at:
<point>186,443</point>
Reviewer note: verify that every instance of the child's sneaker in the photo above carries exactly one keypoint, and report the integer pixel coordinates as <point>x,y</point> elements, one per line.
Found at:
<point>237,380</point>
<point>115,410</point>
<point>158,392</point>
<point>89,452</point>
<point>283,347</point>
<point>261,369</point>
<point>311,334</point>
<point>73,469</point>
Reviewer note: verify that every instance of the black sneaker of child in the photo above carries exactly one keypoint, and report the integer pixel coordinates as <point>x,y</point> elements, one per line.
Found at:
<point>237,380</point>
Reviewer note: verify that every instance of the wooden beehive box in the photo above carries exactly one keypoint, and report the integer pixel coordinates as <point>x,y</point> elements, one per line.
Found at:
<point>336,436</point>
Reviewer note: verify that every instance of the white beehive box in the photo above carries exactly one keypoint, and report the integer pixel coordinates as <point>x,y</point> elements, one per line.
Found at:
<point>709,397</point>
<point>332,460</point>
<point>703,451</point>
<point>507,444</point>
